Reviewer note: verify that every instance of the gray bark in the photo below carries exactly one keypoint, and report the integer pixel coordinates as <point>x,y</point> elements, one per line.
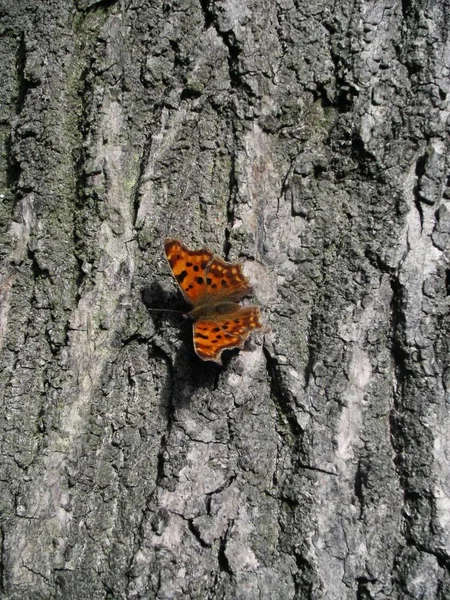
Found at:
<point>310,139</point>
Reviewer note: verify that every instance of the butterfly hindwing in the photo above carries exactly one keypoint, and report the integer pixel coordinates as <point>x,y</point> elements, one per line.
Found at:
<point>214,335</point>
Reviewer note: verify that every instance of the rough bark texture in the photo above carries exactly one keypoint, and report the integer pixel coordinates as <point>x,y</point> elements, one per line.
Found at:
<point>310,138</point>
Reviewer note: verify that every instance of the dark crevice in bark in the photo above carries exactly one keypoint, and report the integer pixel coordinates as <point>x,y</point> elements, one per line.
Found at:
<point>231,431</point>
<point>196,533</point>
<point>190,93</point>
<point>208,498</point>
<point>168,395</point>
<point>396,418</point>
<point>320,94</point>
<point>2,562</point>
<point>288,500</point>
<point>13,172</point>
<point>375,260</point>
<point>421,165</point>
<point>286,191</point>
<point>217,378</point>
<point>81,185</point>
<point>232,44</point>
<point>37,271</point>
<point>177,61</point>
<point>363,591</point>
<point>143,163</point>
<point>368,167</point>
<point>56,347</point>
<point>300,465</point>
<point>231,203</point>
<point>345,97</point>
<point>346,146</point>
<point>443,560</point>
<point>12,177</point>
<point>441,556</point>
<point>345,91</point>
<point>80,275</point>
<point>360,481</point>
<point>304,579</point>
<point>410,439</point>
<point>283,399</point>
<point>222,560</point>
<point>398,325</point>
<point>135,337</point>
<point>234,51</point>
<point>139,536</point>
<point>110,593</point>
<point>97,6</point>
<point>312,349</point>
<point>23,85</point>
<point>208,14</point>
<point>281,395</point>
<point>410,9</point>
<point>225,485</point>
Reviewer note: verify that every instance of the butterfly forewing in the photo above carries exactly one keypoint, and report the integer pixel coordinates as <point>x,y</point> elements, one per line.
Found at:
<point>225,280</point>
<point>188,268</point>
<point>202,275</point>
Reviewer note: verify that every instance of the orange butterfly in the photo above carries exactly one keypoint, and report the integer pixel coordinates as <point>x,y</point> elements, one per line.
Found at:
<point>214,288</point>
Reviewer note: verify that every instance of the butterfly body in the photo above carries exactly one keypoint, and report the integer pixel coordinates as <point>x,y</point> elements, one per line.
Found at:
<point>213,287</point>
<point>211,311</point>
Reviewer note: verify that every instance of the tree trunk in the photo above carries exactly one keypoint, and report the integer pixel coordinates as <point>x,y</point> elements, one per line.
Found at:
<point>309,140</point>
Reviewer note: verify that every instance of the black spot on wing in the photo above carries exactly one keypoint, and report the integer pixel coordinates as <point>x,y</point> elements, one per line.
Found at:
<point>181,276</point>
<point>203,337</point>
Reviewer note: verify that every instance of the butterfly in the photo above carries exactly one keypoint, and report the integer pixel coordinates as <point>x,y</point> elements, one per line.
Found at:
<point>213,287</point>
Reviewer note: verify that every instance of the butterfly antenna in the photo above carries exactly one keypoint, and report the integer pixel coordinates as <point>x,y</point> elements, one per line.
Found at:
<point>165,310</point>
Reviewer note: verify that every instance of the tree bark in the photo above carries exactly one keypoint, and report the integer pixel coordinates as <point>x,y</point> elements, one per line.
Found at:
<point>308,139</point>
